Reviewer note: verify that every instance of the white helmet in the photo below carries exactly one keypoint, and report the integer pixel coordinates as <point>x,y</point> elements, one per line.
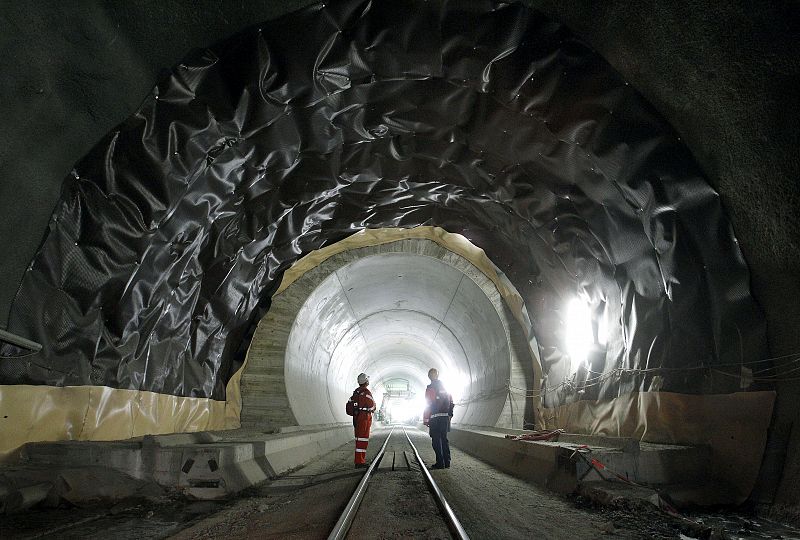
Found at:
<point>363,378</point>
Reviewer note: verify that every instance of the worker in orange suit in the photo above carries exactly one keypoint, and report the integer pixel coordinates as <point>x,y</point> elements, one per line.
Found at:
<point>362,420</point>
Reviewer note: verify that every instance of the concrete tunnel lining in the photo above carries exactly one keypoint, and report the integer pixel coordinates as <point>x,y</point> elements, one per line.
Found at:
<point>386,302</point>
<point>354,313</point>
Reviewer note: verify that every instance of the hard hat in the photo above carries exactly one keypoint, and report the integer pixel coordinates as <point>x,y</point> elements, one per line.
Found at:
<point>433,374</point>
<point>363,378</point>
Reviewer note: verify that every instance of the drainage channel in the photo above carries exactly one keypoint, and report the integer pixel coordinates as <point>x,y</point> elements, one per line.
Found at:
<point>397,495</point>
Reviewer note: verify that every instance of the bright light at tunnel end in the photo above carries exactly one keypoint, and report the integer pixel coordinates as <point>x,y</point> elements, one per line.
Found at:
<point>457,384</point>
<point>406,411</point>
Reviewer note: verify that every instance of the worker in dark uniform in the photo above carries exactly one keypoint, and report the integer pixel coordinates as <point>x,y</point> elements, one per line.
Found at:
<point>437,418</point>
<point>364,406</point>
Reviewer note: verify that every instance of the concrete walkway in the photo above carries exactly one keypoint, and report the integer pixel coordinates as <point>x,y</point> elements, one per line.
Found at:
<point>206,465</point>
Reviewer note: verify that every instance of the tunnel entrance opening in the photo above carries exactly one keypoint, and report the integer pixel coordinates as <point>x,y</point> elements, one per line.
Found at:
<point>398,401</point>
<point>392,310</point>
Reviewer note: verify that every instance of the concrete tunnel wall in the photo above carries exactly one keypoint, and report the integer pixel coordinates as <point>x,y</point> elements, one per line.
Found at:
<point>392,311</point>
<point>395,315</point>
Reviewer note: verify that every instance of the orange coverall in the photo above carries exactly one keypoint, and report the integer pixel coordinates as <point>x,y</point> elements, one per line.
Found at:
<point>362,421</point>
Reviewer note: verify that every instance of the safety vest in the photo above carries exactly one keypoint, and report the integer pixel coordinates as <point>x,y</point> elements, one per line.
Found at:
<point>362,400</point>
<point>440,402</point>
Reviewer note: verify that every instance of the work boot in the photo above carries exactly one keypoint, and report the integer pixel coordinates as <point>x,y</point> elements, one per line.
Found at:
<point>362,465</point>
<point>447,465</point>
<point>436,466</point>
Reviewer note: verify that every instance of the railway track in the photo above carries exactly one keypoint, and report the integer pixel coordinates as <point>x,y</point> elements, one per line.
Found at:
<point>403,457</point>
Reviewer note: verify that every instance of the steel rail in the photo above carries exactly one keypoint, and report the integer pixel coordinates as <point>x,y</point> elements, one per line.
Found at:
<point>346,519</point>
<point>449,516</point>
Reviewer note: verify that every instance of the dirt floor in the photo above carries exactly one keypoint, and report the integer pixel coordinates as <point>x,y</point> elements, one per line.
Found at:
<point>399,495</point>
<point>306,503</point>
<point>489,503</point>
<point>492,504</point>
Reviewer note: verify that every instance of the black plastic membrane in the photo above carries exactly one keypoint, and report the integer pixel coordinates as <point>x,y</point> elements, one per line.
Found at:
<point>485,119</point>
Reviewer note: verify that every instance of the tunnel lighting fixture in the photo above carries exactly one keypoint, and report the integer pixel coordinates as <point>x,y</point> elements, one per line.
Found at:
<point>602,329</point>
<point>579,333</point>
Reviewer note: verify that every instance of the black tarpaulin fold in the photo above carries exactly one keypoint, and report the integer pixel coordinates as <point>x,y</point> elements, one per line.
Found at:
<point>484,119</point>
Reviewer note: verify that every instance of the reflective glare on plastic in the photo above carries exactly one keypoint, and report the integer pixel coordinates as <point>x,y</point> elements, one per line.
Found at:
<point>485,119</point>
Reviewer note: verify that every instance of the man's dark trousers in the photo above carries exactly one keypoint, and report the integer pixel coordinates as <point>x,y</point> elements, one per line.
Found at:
<point>439,427</point>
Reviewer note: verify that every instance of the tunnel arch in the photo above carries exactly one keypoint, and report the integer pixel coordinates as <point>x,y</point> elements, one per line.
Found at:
<point>457,297</point>
<point>244,160</point>
<point>488,120</point>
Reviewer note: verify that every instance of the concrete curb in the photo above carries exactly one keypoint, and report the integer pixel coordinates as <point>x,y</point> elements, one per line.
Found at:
<point>557,466</point>
<point>209,465</point>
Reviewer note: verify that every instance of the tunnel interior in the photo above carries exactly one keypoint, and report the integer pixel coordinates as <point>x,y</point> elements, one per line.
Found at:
<point>491,121</point>
<point>393,311</point>
<point>394,317</point>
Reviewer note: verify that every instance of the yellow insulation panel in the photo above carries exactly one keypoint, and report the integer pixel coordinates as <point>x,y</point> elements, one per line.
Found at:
<point>48,413</point>
<point>734,426</point>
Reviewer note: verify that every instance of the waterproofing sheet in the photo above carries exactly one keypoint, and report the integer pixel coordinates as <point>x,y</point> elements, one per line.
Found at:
<point>485,119</point>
